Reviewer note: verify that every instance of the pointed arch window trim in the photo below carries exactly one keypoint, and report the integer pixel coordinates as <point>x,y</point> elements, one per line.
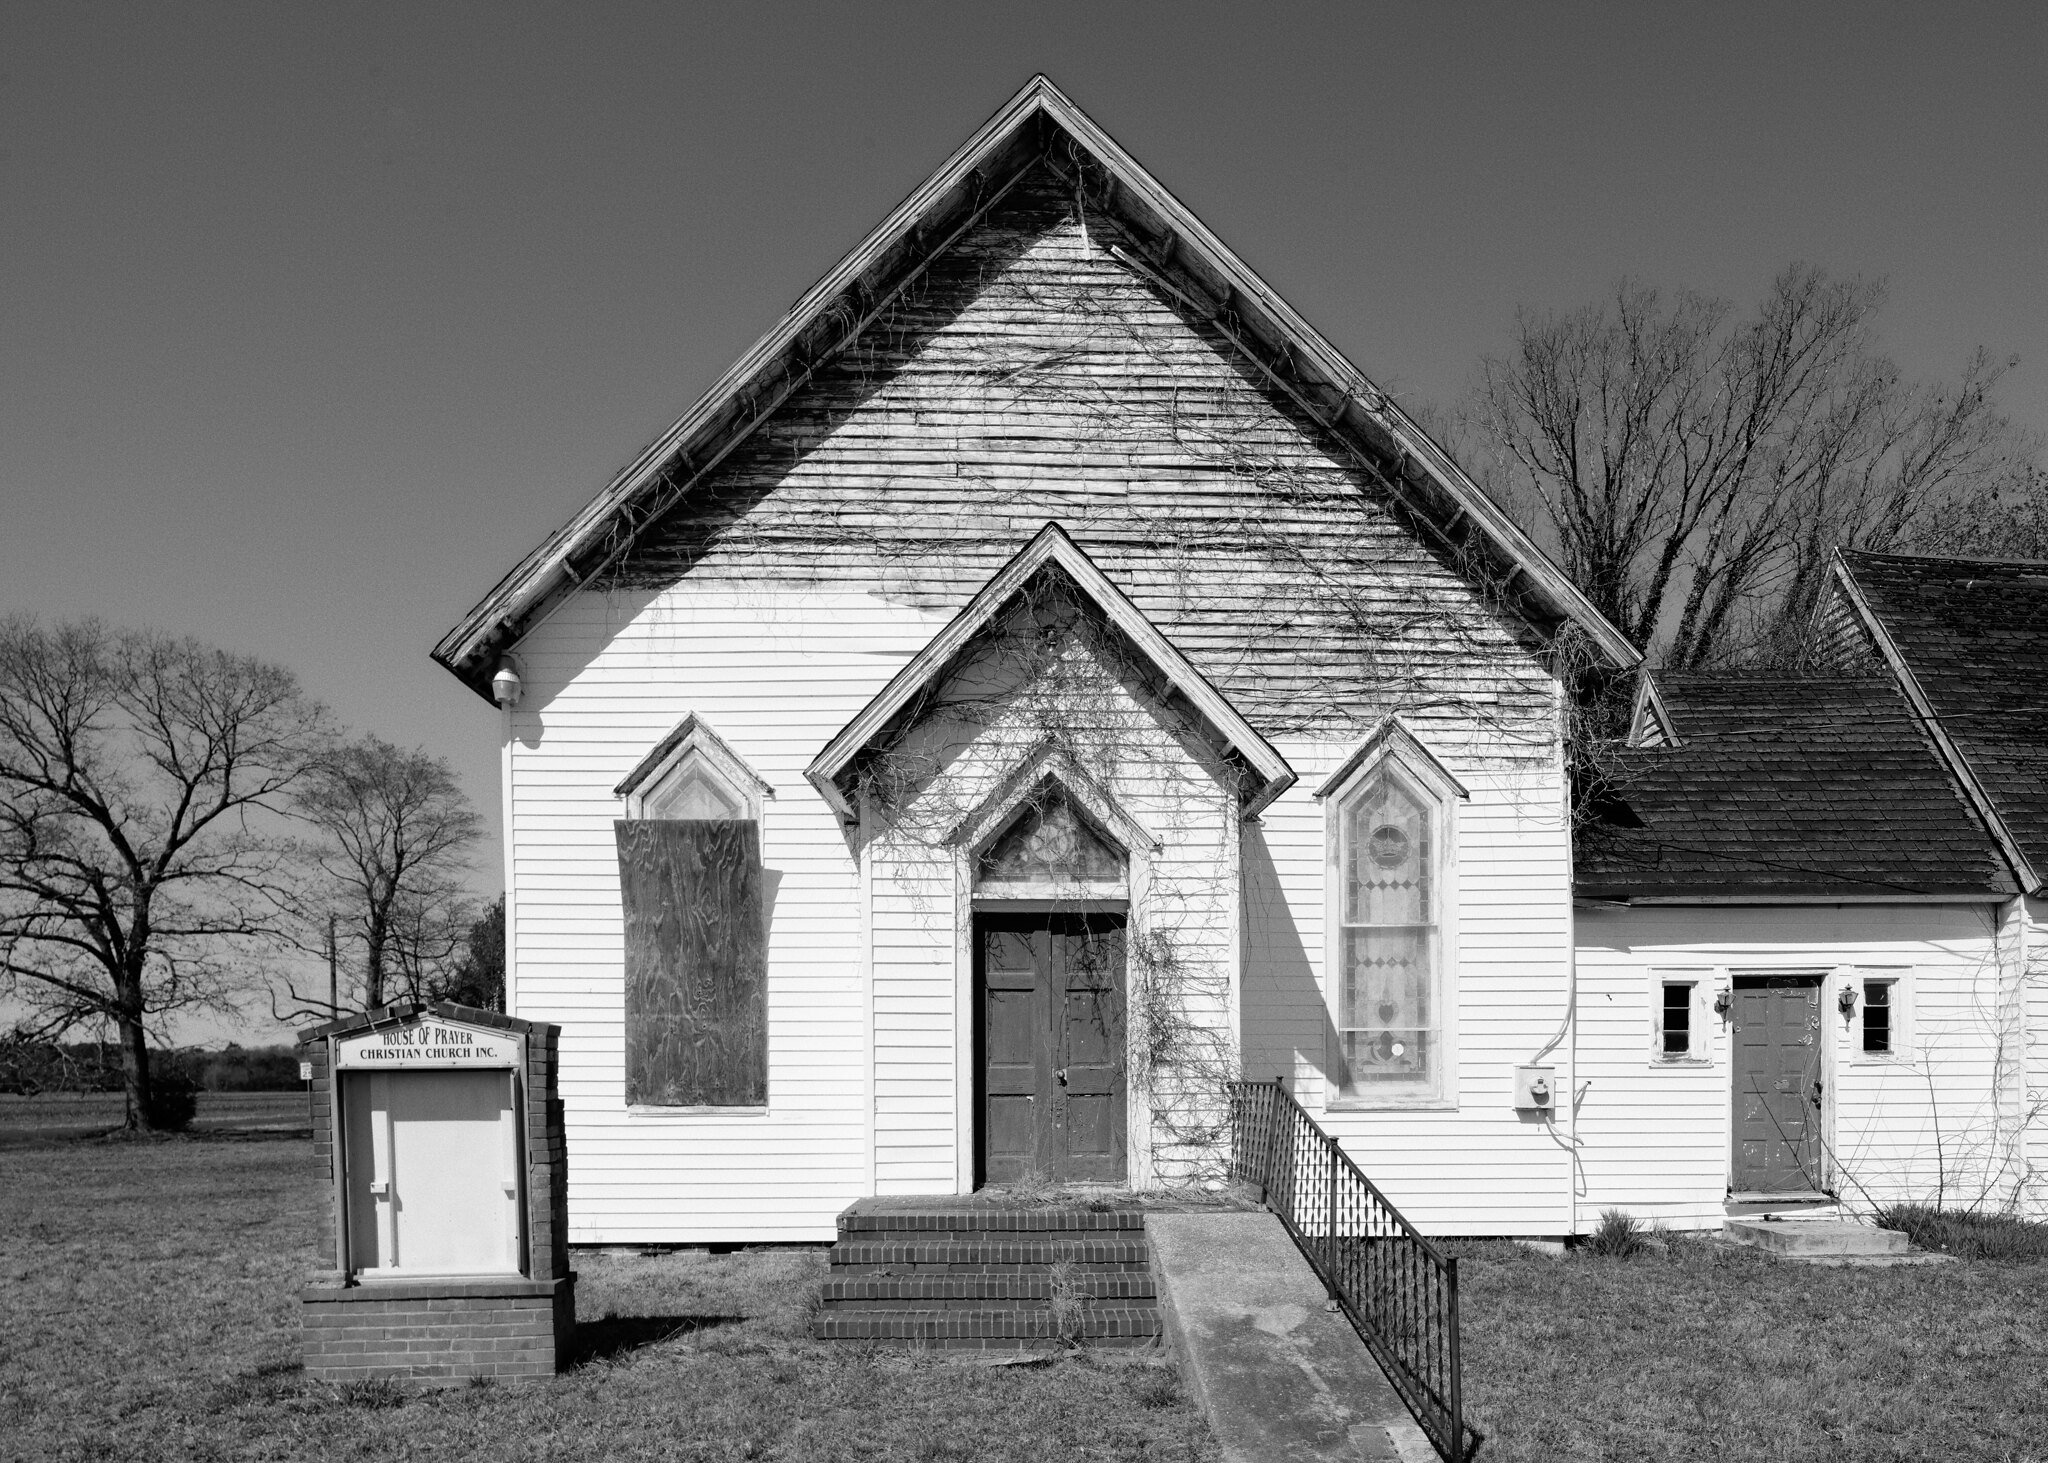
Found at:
<point>1047,764</point>
<point>1392,749</point>
<point>693,737</point>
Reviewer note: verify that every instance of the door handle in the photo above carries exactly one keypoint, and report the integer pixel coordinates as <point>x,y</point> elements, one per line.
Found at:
<point>1062,1075</point>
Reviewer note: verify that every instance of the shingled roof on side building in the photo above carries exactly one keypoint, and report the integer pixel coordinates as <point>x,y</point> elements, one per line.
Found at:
<point>1782,790</point>
<point>1969,639</point>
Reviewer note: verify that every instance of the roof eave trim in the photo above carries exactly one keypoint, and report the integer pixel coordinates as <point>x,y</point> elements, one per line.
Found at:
<point>1050,545</point>
<point>1974,791</point>
<point>1650,707</point>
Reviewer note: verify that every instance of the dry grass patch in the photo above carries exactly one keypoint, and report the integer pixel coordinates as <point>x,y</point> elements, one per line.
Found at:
<point>150,1294</point>
<point>1697,1350</point>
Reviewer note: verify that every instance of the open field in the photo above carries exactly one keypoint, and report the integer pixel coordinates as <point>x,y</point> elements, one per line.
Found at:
<point>1704,1351</point>
<point>80,1114</point>
<point>148,1292</point>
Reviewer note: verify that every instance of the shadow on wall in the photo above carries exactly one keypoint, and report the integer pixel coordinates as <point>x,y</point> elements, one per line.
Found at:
<point>1287,1024</point>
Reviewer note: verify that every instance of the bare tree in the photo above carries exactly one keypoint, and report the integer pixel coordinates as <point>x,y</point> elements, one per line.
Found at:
<point>396,831</point>
<point>479,977</point>
<point>141,865</point>
<point>1694,469</point>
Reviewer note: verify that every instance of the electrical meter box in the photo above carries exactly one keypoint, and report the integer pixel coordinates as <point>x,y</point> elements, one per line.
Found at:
<point>1536,1089</point>
<point>438,1133</point>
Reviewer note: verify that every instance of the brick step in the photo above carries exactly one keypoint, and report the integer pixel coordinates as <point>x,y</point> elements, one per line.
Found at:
<point>982,1254</point>
<point>849,1291</point>
<point>866,1222</point>
<point>986,1236</point>
<point>1094,1325</point>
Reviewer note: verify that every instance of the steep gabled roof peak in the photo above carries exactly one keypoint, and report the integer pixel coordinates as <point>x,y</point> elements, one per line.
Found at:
<point>1174,250</point>
<point>1267,774</point>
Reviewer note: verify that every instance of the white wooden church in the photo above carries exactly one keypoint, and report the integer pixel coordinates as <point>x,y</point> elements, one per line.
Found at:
<point>1044,679</point>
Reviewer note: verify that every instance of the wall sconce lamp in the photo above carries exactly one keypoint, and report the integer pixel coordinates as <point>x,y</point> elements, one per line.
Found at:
<point>505,684</point>
<point>1724,1001</point>
<point>1845,1001</point>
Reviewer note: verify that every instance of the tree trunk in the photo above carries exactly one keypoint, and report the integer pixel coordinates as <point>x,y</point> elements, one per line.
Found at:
<point>135,1074</point>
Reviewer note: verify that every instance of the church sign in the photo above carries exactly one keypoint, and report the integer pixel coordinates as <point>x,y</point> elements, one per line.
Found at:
<point>426,1044</point>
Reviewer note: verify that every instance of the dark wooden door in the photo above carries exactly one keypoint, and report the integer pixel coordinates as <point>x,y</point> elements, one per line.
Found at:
<point>1050,1023</point>
<point>1777,1081</point>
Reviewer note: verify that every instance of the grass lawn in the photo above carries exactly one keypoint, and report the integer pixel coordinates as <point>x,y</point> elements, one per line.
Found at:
<point>83,1114</point>
<point>1702,1351</point>
<point>148,1293</point>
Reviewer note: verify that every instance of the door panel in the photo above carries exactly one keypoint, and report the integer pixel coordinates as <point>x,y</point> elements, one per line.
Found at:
<point>433,1163</point>
<point>1050,1048</point>
<point>1089,1101</point>
<point>1777,1085</point>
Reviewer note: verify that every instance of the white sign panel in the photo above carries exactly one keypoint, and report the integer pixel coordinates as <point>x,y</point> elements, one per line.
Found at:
<point>426,1044</point>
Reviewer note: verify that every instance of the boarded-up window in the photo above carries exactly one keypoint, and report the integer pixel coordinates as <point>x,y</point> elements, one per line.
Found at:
<point>696,962</point>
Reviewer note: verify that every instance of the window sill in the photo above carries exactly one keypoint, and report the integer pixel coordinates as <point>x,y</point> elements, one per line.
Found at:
<point>637,1112</point>
<point>1657,1062</point>
<point>1391,1104</point>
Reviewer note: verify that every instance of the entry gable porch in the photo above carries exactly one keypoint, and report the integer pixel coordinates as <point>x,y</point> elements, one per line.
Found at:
<point>1047,802</point>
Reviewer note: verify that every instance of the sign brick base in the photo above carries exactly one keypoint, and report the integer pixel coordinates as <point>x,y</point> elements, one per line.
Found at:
<point>438,1332</point>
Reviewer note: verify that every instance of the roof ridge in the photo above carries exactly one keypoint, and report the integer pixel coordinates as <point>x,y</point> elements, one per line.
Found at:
<point>1973,562</point>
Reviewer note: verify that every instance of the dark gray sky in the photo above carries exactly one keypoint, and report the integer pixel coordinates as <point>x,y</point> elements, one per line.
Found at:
<point>314,318</point>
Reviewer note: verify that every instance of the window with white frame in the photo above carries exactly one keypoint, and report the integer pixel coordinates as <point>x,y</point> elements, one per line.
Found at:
<point>1678,1009</point>
<point>1881,1011</point>
<point>1390,854</point>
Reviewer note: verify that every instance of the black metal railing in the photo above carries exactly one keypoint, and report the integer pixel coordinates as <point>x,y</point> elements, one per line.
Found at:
<point>1399,1291</point>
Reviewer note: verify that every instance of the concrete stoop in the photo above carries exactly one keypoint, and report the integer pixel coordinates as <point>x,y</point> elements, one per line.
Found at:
<point>1838,1240</point>
<point>1282,1377</point>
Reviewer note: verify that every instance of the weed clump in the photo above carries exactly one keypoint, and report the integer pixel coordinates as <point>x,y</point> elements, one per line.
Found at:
<point>1620,1236</point>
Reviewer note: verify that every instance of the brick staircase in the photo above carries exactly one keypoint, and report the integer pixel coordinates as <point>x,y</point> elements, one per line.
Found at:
<point>962,1274</point>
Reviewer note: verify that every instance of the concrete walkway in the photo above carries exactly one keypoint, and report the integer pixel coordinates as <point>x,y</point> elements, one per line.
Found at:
<point>1282,1377</point>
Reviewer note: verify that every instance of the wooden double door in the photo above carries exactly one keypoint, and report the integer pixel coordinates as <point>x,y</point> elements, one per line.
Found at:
<point>1052,1079</point>
<point>1776,1032</point>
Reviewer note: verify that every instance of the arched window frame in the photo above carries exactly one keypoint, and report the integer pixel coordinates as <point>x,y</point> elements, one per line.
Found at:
<point>692,743</point>
<point>1394,749</point>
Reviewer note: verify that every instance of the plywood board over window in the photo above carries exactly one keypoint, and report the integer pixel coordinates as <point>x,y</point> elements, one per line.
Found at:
<point>696,962</point>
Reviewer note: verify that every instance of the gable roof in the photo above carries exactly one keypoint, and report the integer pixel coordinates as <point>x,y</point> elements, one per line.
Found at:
<point>1050,548</point>
<point>1785,790</point>
<point>1181,258</point>
<point>1967,640</point>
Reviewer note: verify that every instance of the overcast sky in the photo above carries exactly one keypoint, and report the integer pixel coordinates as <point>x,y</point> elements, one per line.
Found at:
<point>315,317</point>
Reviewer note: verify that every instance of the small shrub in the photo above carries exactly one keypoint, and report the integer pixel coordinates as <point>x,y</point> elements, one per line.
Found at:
<point>1619,1236</point>
<point>1965,1235</point>
<point>173,1102</point>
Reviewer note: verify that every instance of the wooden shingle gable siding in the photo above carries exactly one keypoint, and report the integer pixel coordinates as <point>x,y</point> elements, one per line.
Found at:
<point>1033,377</point>
<point>1038,135</point>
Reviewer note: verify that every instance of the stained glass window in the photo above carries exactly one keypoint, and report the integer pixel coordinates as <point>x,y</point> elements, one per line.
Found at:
<point>1050,840</point>
<point>1389,1018</point>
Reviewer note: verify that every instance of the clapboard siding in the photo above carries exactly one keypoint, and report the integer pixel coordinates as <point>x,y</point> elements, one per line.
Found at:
<point>1030,376</point>
<point>1654,1138</point>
